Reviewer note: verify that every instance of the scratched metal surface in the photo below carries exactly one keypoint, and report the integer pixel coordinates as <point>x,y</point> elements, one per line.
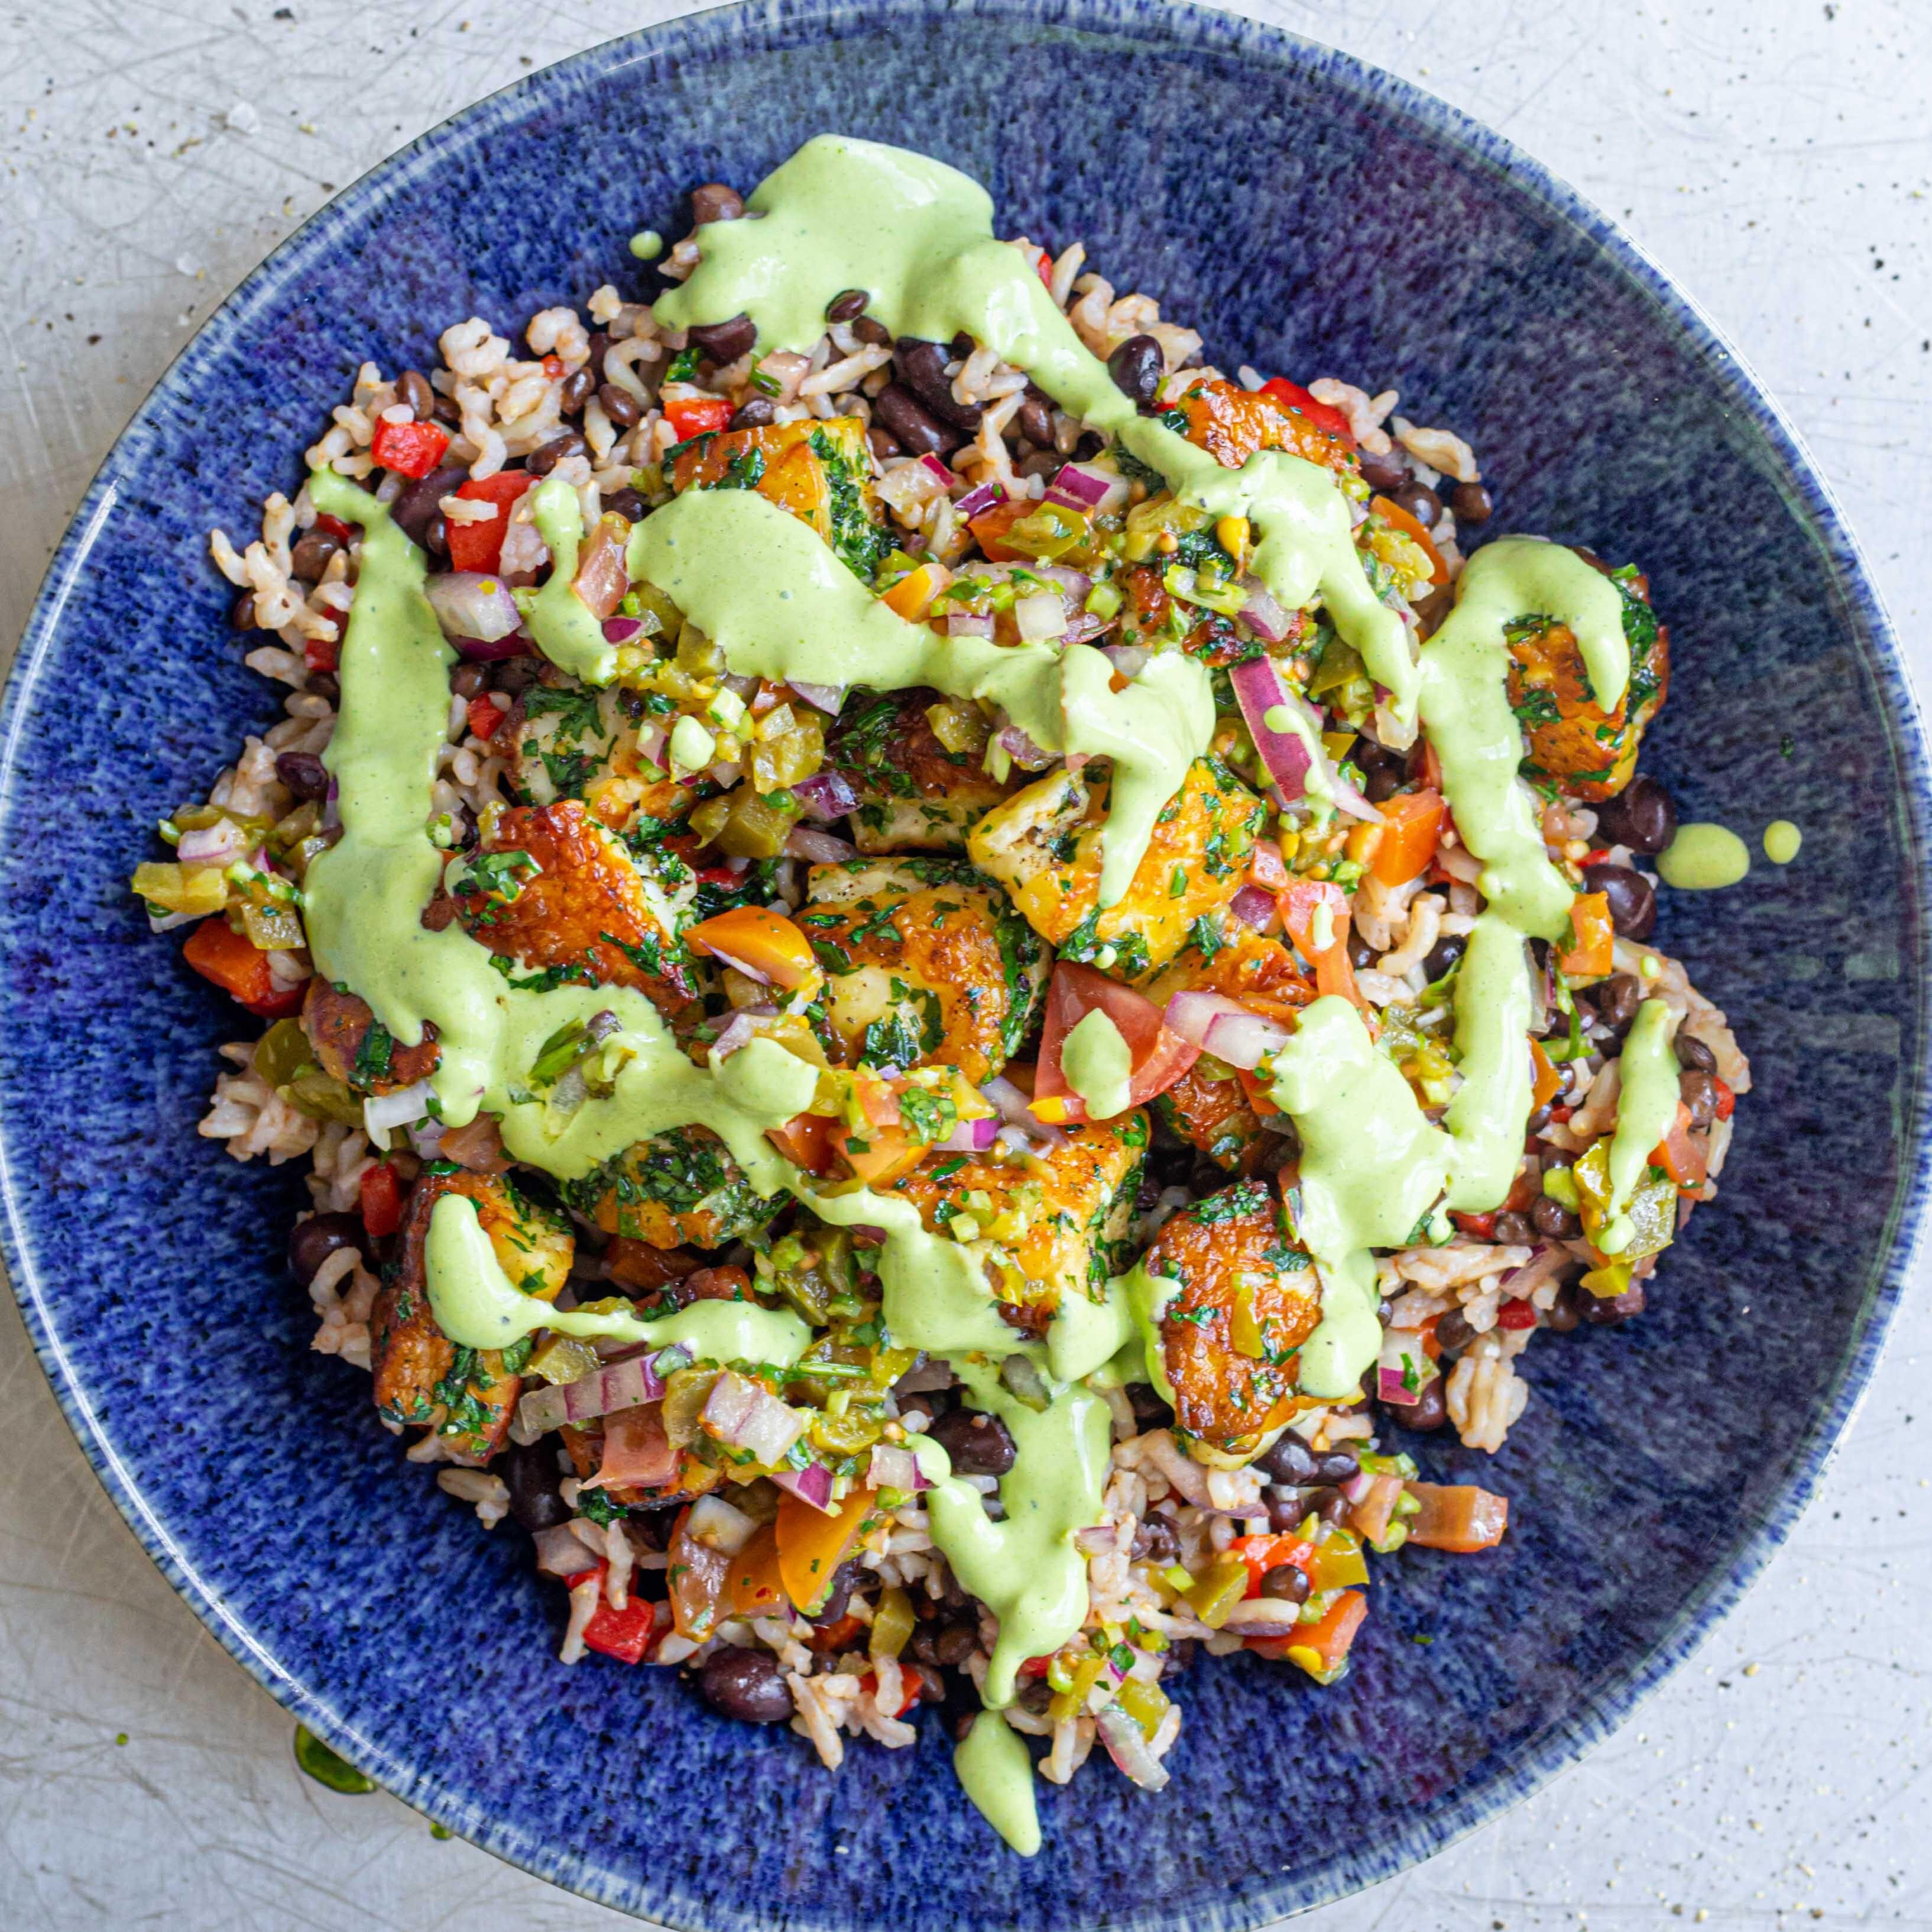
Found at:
<point>1773,154</point>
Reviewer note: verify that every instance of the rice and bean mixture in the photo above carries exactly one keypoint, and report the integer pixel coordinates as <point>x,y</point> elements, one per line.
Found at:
<point>657,833</point>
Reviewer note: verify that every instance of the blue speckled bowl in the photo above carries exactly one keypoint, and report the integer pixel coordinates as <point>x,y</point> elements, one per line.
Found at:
<point>1311,216</point>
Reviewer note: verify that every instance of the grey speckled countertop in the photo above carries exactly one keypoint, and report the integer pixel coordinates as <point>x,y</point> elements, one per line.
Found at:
<point>1776,155</point>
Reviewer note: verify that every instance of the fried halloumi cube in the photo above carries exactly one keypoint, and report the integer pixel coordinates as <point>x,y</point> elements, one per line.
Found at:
<point>925,964</point>
<point>352,1046</point>
<point>1245,1300</point>
<point>553,891</point>
<point>914,795</point>
<point>1047,1225</point>
<point>422,1377</point>
<point>1044,845</point>
<point>681,1186</point>
<point>565,740</point>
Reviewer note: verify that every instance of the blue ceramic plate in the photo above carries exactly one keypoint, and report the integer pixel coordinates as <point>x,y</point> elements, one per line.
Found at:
<point>1310,215</point>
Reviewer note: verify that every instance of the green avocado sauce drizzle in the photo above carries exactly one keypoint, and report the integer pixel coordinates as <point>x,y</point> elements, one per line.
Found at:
<point>918,237</point>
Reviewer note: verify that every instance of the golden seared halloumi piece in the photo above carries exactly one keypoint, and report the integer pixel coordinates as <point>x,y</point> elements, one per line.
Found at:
<point>351,1046</point>
<point>564,740</point>
<point>423,1377</point>
<point>1209,1106</point>
<point>914,795</point>
<point>925,964</point>
<point>555,894</point>
<point>1044,845</point>
<point>1245,1300</point>
<point>682,1186</point>
<point>1047,1225</point>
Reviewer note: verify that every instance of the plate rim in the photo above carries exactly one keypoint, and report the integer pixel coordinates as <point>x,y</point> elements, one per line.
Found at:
<point>706,34</point>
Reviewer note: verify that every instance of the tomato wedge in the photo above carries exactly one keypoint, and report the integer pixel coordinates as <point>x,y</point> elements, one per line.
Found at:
<point>1160,1056</point>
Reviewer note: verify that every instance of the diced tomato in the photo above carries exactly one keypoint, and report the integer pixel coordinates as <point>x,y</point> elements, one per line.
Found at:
<point>1321,1648</point>
<point>1292,395</point>
<point>552,367</point>
<point>696,416</point>
<point>1391,511</point>
<point>1481,1225</point>
<point>1034,1667</point>
<point>332,527</point>
<point>411,449</point>
<point>232,962</point>
<point>1412,822</point>
<point>626,1634</point>
<point>763,944</point>
<point>1600,856</point>
<point>805,1141</point>
<point>480,546</point>
<point>909,1681</point>
<point>990,526</point>
<point>1679,1153</point>
<point>1045,269</point>
<point>1457,1517</point>
<point>1299,904</point>
<point>875,1155</point>
<point>1158,1055</point>
<point>841,1633</point>
<point>1727,1100</point>
<point>484,717</point>
<point>1594,952</point>
<point>1560,1115</point>
<point>1516,1314</point>
<point>381,1198</point>
<point>1265,868</point>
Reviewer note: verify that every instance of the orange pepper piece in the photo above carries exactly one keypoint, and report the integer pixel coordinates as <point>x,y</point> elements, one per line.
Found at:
<point>1548,1082</point>
<point>1594,953</point>
<point>1393,512</point>
<point>1411,823</point>
<point>916,590</point>
<point>753,1587</point>
<point>764,943</point>
<point>811,1544</point>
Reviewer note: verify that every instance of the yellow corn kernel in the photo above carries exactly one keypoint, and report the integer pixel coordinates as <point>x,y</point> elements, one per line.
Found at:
<point>1232,533</point>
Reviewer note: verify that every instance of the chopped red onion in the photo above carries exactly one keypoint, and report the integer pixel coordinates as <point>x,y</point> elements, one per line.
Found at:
<point>817,848</point>
<point>744,1414</point>
<point>331,806</point>
<point>825,796</point>
<point>1023,751</point>
<point>896,1468</point>
<point>717,1525</point>
<point>1128,1747</point>
<point>964,624</point>
<point>382,1111</point>
<point>216,844</point>
<point>811,1484</point>
<point>625,1382</point>
<point>1259,688</point>
<point>1096,491</point>
<point>1017,1110</point>
<point>1348,798</point>
<point>970,1136</point>
<point>651,747</point>
<point>1075,583</point>
<point>490,650</point>
<point>1041,617</point>
<point>1224,1027</point>
<point>1129,660</point>
<point>983,498</point>
<point>561,1552</point>
<point>724,774</point>
<point>621,630</point>
<point>825,698</point>
<point>473,604</point>
<point>740,1030</point>
<point>1253,906</point>
<point>932,465</point>
<point>1263,615</point>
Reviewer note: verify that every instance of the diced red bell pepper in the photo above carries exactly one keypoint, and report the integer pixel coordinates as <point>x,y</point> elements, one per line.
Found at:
<point>1265,1552</point>
<point>1457,1517</point>
<point>1517,1314</point>
<point>1481,1225</point>
<point>627,1634</point>
<point>552,367</point>
<point>696,416</point>
<point>484,717</point>
<point>1034,1667</point>
<point>1292,395</point>
<point>480,546</point>
<point>411,449</point>
<point>381,1195</point>
<point>233,962</point>
<point>910,1686</point>
<point>1727,1100</point>
<point>322,653</point>
<point>332,527</point>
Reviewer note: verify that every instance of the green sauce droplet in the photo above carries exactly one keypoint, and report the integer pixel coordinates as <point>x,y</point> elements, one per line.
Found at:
<point>1781,841</point>
<point>326,1767</point>
<point>996,1771</point>
<point>1702,858</point>
<point>647,244</point>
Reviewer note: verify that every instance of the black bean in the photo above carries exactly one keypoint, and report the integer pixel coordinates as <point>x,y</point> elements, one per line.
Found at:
<point>759,411</point>
<point>724,341</point>
<point>921,367</point>
<point>911,425</point>
<point>1035,419</point>
<point>1090,445</point>
<point>883,442</point>
<point>1641,816</point>
<point>1453,1332</point>
<point>1286,1584</point>
<point>1512,1230</point>
<point>922,1644</point>
<point>303,773</point>
<point>546,457</point>
<point>1430,1408</point>
<point>325,684</point>
<point>848,306</point>
<point>1419,501</point>
<point>714,201</point>
<point>1180,1654</point>
<point>1615,1001</point>
<point>620,406</point>
<point>417,505</point>
<point>1382,780</point>
<point>598,342</point>
<point>1696,1088</point>
<point>1385,1311</point>
<point>1443,955</point>
<point>412,387</point>
<point>310,556</point>
<point>626,503</point>
<point>1632,895</point>
<point>1285,1514</point>
<point>529,1472</point>
<point>845,1580</point>
<point>1150,1411</point>
<point>1554,1222</point>
<point>1385,474</point>
<point>448,411</point>
<point>932,1686</point>
<point>513,676</point>
<point>242,612</point>
<point>955,1643</point>
<point>468,680</point>
<point>931,1403</point>
<point>1137,367</point>
<point>1154,1541</point>
<point>577,388</point>
<point>435,538</point>
<point>1606,1311</point>
<point>979,1445</point>
<point>1693,1055</point>
<point>1330,1505</point>
<point>1341,1465</point>
<point>313,1241</point>
<point>1472,503</point>
<point>872,332</point>
<point>748,1685</point>
<point>1362,955</point>
<point>1289,1459</point>
<point>1566,1310</point>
